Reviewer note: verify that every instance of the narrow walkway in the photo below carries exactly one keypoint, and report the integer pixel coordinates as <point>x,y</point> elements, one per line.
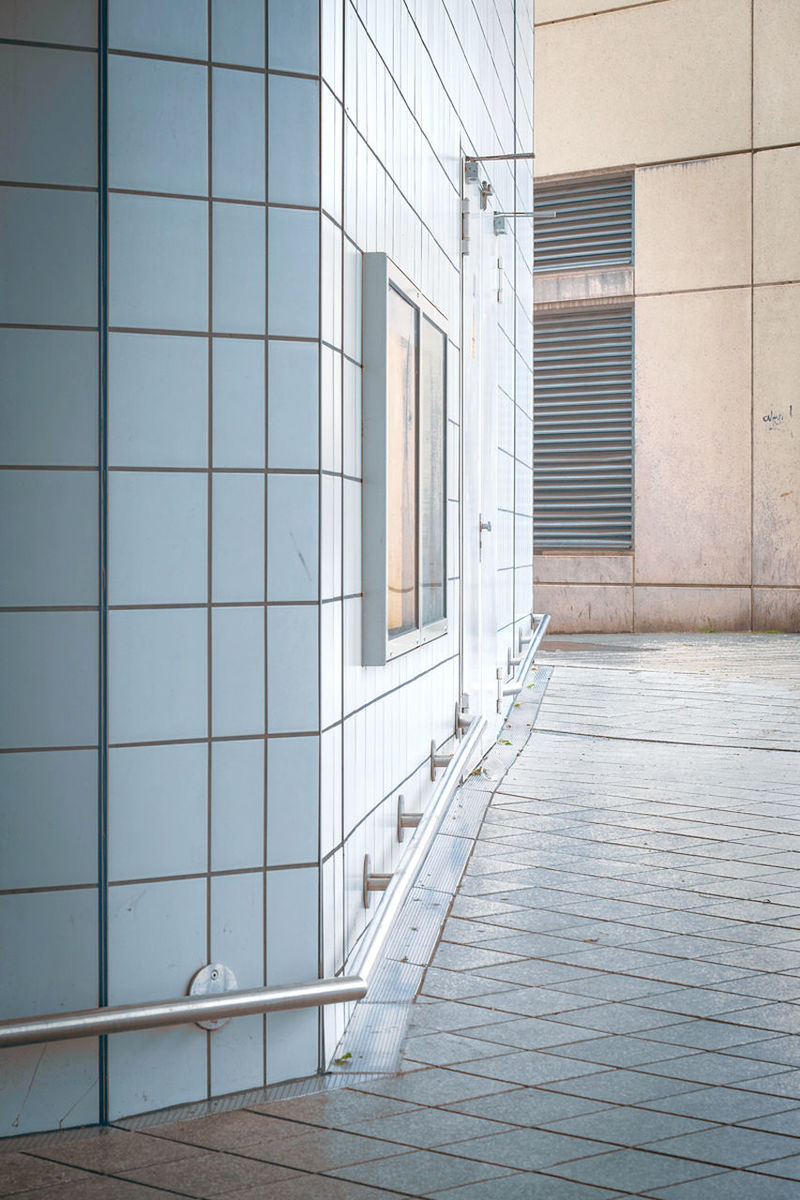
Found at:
<point>611,1007</point>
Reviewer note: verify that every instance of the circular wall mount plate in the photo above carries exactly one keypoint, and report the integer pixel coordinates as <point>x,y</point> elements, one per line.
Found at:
<point>213,979</point>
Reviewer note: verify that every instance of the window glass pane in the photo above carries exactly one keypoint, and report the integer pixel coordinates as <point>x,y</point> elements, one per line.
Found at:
<point>432,471</point>
<point>401,471</point>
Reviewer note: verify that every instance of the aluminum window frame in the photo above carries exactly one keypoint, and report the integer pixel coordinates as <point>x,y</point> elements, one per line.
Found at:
<point>380,276</point>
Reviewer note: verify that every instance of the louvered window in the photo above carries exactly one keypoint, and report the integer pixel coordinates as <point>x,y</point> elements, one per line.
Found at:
<point>583,428</point>
<point>583,223</point>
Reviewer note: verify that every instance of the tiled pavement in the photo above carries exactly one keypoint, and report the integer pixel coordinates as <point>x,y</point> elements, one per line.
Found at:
<point>611,1008</point>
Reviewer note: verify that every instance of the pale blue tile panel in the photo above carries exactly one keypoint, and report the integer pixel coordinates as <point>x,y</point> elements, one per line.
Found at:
<point>156,1068</point>
<point>158,401</point>
<point>292,800</point>
<point>293,273</point>
<point>293,140</point>
<point>48,818</point>
<point>158,263</point>
<point>238,537</point>
<point>158,535</point>
<point>178,28</point>
<point>239,405</point>
<point>157,675</point>
<point>49,694</point>
<point>48,538</point>
<point>66,1089</point>
<point>237,804</point>
<point>239,269</point>
<point>54,136</point>
<point>294,35</point>
<point>156,939</point>
<point>48,403</point>
<point>157,125</point>
<point>50,948</point>
<point>292,1044</point>
<point>238,671</point>
<point>293,405</point>
<point>48,257</point>
<point>237,926</point>
<point>158,798</point>
<point>293,668</point>
<point>238,134</point>
<point>237,1056</point>
<point>74,24</point>
<point>292,923</point>
<point>237,32</point>
<point>293,537</point>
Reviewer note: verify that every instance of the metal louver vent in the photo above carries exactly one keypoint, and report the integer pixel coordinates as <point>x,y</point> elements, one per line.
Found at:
<point>583,223</point>
<point>583,429</point>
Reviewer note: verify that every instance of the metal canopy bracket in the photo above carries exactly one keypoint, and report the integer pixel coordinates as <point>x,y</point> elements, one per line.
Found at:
<point>437,760</point>
<point>406,820</point>
<point>372,882</point>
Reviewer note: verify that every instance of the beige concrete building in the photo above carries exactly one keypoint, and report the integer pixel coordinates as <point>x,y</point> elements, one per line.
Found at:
<point>700,101</point>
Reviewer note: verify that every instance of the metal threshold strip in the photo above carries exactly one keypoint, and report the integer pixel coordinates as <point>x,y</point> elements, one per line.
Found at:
<point>92,1022</point>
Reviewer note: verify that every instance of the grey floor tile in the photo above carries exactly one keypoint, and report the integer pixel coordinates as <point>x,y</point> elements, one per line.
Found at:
<point>458,985</point>
<point>620,1051</point>
<point>24,1172</point>
<point>421,1171</point>
<point>534,1001</point>
<point>435,1085</point>
<point>624,1087</point>
<point>452,1016</point>
<point>701,1002</point>
<point>442,1048</point>
<point>97,1187</point>
<point>311,1187</point>
<point>529,1067</point>
<point>635,1170</point>
<point>428,1128</point>
<point>320,1150</point>
<point>337,1109</point>
<point>786,1168</point>
<point>708,1068</point>
<point>115,1150</point>
<point>782,1122</point>
<point>529,1106</point>
<point>730,1147</point>
<point>616,987</point>
<point>530,1033</point>
<point>730,1185</point>
<point>524,1187</point>
<point>714,1035</point>
<point>622,1018</point>
<point>769,1049</point>
<point>786,1083</point>
<point>537,972</point>
<point>719,1104</point>
<point>629,1126</point>
<point>213,1174</point>
<point>526,1149</point>
<point>452,957</point>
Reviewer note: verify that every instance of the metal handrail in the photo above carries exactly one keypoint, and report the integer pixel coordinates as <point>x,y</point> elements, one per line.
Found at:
<point>91,1022</point>
<point>367,952</point>
<point>542,621</point>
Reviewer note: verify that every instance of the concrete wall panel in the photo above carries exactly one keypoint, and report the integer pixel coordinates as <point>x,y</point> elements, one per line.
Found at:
<point>776,71</point>
<point>776,608</point>
<point>776,436</point>
<point>692,428</point>
<point>575,608</point>
<point>647,84</point>
<point>776,235</point>
<point>583,568</point>
<point>663,609</point>
<point>561,10</point>
<point>692,225</point>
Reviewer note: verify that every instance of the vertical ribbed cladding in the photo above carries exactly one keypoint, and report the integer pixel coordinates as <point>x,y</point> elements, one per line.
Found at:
<point>583,428</point>
<point>584,223</point>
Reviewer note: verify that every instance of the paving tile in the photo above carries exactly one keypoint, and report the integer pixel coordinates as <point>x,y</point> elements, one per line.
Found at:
<point>622,1018</point>
<point>714,1035</point>
<point>782,1122</point>
<point>702,1002</point>
<point>310,1187</point>
<point>95,1187</point>
<point>115,1150</point>
<point>620,1051</point>
<point>534,1001</point>
<point>213,1174</point>
<point>24,1172</point>
<point>528,1067</point>
<point>624,1087</point>
<point>530,1033</point>
<point>769,1049</point>
<point>426,1128</point>
<point>616,987</point>
<point>625,1126</point>
<point>434,1085</point>
<point>223,1131</point>
<point>526,1149</point>
<point>451,1015</point>
<point>458,985</point>
<point>787,1168</point>
<point>421,1171</point>
<point>451,957</point>
<point>785,1083</point>
<point>730,1147</point>
<point>442,1048</point>
<point>636,1170</point>
<point>336,1109</point>
<point>708,1068</point>
<point>321,1150</point>
<point>719,1104</point>
<point>524,1187</point>
<point>730,1185</point>
<point>529,1106</point>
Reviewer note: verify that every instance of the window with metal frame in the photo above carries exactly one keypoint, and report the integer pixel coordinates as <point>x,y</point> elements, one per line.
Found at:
<point>404,465</point>
<point>583,223</point>
<point>583,428</point>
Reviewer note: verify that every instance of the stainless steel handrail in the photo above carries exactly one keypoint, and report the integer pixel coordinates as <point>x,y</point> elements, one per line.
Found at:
<point>368,949</point>
<point>93,1021</point>
<point>542,621</point>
